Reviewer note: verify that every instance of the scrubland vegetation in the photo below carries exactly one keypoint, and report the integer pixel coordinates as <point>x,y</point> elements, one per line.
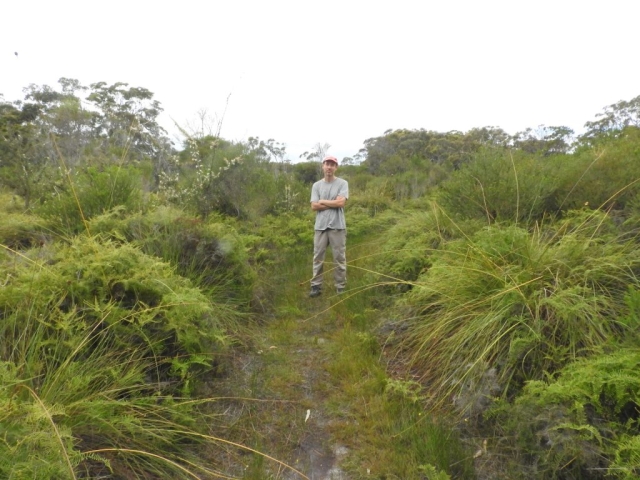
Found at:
<point>155,323</point>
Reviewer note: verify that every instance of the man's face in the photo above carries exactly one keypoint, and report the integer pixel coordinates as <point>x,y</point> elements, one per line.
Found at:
<point>329,168</point>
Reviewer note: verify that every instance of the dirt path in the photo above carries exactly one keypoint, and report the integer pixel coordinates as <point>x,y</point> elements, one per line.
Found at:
<point>284,388</point>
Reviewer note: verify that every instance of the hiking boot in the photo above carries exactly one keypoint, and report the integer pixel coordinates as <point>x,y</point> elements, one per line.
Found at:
<point>315,291</point>
<point>340,290</point>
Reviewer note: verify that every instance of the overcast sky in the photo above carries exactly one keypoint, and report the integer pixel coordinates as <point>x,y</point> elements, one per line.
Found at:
<point>337,72</point>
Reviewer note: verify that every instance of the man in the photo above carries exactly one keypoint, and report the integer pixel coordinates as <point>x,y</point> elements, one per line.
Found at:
<point>328,197</point>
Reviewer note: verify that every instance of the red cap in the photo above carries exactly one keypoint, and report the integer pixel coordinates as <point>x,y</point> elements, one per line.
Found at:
<point>329,158</point>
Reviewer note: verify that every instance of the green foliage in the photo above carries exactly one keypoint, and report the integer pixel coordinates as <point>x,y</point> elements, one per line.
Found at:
<point>417,183</point>
<point>399,151</point>
<point>361,225</point>
<point>234,179</point>
<point>613,121</point>
<point>91,192</point>
<point>399,439</point>
<point>307,172</point>
<point>18,230</point>
<point>407,248</point>
<point>89,412</point>
<point>517,305</point>
<point>544,141</point>
<point>280,248</point>
<point>627,458</point>
<point>432,473</point>
<point>279,234</point>
<point>134,300</point>
<point>126,119</point>
<point>121,123</point>
<point>211,253</point>
<point>372,199</point>
<point>586,420</point>
<point>11,203</point>
<point>603,176</point>
<point>515,186</point>
<point>52,130</point>
<point>500,185</point>
<point>96,339</point>
<point>20,170</point>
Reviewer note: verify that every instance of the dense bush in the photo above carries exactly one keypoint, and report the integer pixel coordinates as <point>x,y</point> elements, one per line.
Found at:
<point>584,424</point>
<point>604,176</point>
<point>501,185</point>
<point>209,252</point>
<point>507,305</point>
<point>18,230</point>
<point>408,246</point>
<point>97,340</point>
<point>134,300</point>
<point>373,199</point>
<point>93,192</point>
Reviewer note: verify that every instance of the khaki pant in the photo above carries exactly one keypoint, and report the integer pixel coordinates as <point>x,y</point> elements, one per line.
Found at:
<point>337,239</point>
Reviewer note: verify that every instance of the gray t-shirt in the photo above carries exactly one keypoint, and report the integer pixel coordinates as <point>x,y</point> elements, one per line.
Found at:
<point>331,217</point>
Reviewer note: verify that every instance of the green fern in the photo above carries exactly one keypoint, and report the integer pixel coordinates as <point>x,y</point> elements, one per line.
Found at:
<point>585,419</point>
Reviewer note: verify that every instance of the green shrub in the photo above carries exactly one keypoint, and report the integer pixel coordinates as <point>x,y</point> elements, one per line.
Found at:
<point>416,183</point>
<point>280,249</point>
<point>507,305</point>
<point>408,245</point>
<point>135,300</point>
<point>373,199</point>
<point>211,253</point>
<point>499,185</point>
<point>11,203</point>
<point>584,424</point>
<point>94,192</point>
<point>97,339</point>
<point>19,231</point>
<point>514,186</point>
<point>607,175</point>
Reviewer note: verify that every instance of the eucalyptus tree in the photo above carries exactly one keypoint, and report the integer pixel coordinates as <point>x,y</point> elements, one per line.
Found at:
<point>112,123</point>
<point>63,122</point>
<point>317,153</point>
<point>126,120</point>
<point>613,121</point>
<point>403,150</point>
<point>545,140</point>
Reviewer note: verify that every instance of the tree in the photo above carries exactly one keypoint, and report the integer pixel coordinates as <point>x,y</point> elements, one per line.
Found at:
<point>489,136</point>
<point>307,172</point>
<point>613,121</point>
<point>113,123</point>
<point>318,152</point>
<point>62,121</point>
<point>544,140</point>
<point>126,121</point>
<point>266,151</point>
<point>400,151</point>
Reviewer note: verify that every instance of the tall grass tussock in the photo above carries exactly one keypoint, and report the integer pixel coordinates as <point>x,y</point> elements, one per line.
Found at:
<point>518,304</point>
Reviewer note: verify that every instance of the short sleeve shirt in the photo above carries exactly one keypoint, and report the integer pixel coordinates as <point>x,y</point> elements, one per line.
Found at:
<point>332,217</point>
